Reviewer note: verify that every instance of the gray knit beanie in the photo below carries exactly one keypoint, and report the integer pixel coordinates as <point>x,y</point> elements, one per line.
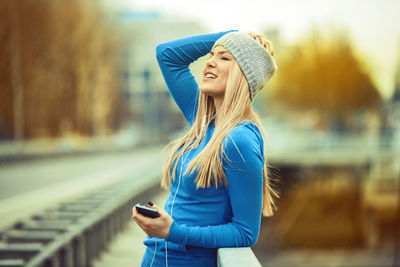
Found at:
<point>254,59</point>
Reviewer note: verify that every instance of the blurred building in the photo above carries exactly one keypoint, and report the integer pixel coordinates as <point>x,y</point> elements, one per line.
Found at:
<point>394,116</point>
<point>396,94</point>
<point>151,105</point>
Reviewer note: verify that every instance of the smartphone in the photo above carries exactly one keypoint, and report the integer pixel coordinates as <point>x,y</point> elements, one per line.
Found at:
<point>146,211</point>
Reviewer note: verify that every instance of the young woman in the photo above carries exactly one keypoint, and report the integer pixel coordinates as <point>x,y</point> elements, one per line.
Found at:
<point>217,172</point>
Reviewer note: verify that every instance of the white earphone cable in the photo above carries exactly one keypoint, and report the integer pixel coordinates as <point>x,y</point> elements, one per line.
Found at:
<point>154,255</point>
<point>179,183</point>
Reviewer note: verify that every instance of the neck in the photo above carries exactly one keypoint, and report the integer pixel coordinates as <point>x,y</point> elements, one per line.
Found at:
<point>218,104</point>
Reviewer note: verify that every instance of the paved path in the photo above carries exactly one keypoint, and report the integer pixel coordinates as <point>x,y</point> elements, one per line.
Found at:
<point>29,187</point>
<point>127,249</point>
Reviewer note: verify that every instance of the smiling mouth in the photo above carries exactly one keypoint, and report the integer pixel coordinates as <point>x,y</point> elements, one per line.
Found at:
<point>210,76</point>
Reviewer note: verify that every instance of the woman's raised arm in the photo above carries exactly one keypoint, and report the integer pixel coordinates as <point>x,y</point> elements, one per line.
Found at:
<point>174,58</point>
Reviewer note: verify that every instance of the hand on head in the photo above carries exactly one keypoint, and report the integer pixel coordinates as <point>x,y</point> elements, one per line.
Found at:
<point>264,41</point>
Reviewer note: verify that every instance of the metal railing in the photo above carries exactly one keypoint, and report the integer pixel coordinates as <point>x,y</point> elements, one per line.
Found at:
<point>74,233</point>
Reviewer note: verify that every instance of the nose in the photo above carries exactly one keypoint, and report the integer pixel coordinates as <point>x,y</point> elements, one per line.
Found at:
<point>211,62</point>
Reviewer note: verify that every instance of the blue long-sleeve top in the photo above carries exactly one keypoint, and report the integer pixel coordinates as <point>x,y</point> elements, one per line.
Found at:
<point>205,219</point>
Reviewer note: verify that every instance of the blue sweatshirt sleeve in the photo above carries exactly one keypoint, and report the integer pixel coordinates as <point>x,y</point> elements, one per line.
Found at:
<point>174,58</point>
<point>244,173</point>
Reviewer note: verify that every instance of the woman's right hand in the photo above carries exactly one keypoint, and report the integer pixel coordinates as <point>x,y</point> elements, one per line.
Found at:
<point>264,41</point>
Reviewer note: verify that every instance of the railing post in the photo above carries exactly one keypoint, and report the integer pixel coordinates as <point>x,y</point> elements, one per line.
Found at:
<point>68,256</point>
<point>80,251</point>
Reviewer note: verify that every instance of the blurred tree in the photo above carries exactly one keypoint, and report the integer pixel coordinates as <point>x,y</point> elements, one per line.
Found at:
<point>6,93</point>
<point>69,65</point>
<point>325,75</point>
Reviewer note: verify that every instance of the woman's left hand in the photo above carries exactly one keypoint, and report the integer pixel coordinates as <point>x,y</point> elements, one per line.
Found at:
<point>155,227</point>
<point>263,40</point>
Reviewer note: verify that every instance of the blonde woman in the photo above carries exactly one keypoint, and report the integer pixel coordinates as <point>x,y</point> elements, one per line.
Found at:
<point>217,172</point>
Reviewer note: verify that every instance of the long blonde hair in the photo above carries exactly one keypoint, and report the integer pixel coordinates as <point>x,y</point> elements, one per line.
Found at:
<point>236,108</point>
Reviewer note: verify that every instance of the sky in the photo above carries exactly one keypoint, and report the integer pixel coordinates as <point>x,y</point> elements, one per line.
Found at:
<point>373,25</point>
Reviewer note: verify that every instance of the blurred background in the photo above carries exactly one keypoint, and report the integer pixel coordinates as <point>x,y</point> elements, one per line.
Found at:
<point>81,94</point>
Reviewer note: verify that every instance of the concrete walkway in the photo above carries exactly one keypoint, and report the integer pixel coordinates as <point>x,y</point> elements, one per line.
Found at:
<point>127,249</point>
<point>27,188</point>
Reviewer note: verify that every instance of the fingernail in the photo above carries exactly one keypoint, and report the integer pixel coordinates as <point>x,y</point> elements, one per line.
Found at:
<point>150,203</point>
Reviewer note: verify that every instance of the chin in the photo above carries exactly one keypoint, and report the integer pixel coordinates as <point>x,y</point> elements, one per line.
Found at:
<point>210,91</point>
<point>206,90</point>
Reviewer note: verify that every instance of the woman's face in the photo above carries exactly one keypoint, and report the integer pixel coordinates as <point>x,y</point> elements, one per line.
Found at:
<point>216,72</point>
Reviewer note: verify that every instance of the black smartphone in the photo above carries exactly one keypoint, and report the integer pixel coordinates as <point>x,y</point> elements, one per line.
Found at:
<point>146,211</point>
